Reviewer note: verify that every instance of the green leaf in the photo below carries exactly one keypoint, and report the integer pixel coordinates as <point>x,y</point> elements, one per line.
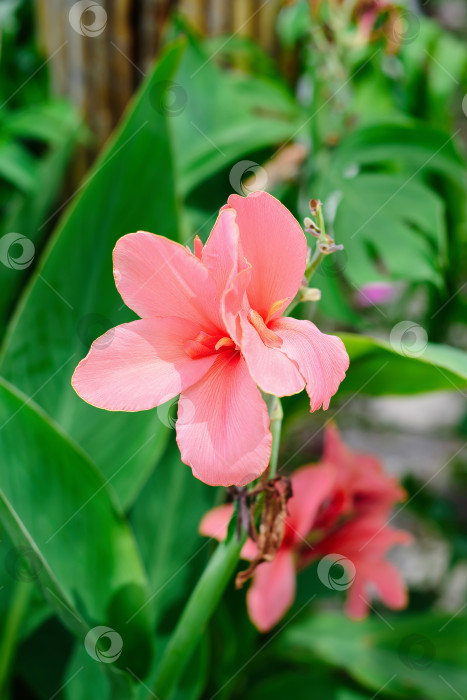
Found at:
<point>72,297</point>
<point>409,365</point>
<point>297,684</point>
<point>434,68</point>
<point>220,115</point>
<point>165,519</point>
<point>86,679</point>
<point>54,503</point>
<point>390,218</point>
<point>410,656</point>
<point>17,165</point>
<point>50,122</point>
<point>26,212</point>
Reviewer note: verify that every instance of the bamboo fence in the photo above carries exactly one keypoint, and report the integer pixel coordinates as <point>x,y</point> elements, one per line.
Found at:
<point>99,53</point>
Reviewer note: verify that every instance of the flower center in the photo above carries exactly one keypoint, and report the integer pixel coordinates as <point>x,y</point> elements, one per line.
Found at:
<point>204,345</point>
<point>269,338</point>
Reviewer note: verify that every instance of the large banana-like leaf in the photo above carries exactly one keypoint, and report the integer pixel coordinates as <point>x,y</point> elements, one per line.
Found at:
<point>59,513</point>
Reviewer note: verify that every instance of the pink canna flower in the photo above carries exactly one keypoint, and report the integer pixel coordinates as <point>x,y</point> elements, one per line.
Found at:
<point>273,589</point>
<point>212,330</point>
<point>362,545</point>
<point>331,513</point>
<point>361,485</point>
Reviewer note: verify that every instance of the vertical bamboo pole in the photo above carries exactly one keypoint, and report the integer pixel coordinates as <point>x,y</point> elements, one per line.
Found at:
<point>98,70</point>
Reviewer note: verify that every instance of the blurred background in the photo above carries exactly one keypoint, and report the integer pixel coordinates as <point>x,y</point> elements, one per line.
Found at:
<point>146,114</point>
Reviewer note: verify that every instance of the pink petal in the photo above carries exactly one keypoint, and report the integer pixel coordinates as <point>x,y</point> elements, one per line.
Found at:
<point>223,257</point>
<point>139,365</point>
<point>274,244</point>
<point>215,523</point>
<point>273,591</point>
<point>223,426</point>
<point>365,542</point>
<point>322,359</point>
<point>158,277</point>
<point>357,604</point>
<point>271,369</point>
<point>222,254</point>
<point>390,585</point>
<point>382,576</point>
<point>361,476</point>
<point>235,302</point>
<point>311,486</point>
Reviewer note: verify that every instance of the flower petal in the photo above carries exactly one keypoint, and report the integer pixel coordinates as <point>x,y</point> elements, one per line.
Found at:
<point>273,591</point>
<point>215,523</point>
<point>365,542</point>
<point>158,277</point>
<point>222,254</point>
<point>361,476</point>
<point>311,486</point>
<point>271,369</point>
<point>372,577</point>
<point>322,359</point>
<point>223,257</point>
<point>223,425</point>
<point>275,245</point>
<point>139,365</point>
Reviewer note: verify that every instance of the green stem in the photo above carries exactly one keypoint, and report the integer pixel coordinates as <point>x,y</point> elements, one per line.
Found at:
<point>209,589</point>
<point>276,415</point>
<point>201,605</point>
<point>9,639</point>
<point>316,260</point>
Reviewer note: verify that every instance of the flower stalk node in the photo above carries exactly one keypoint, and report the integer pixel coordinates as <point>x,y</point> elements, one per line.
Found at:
<point>272,525</point>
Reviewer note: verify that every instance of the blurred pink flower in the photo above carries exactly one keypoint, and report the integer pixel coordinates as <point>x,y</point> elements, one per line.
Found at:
<point>375,293</point>
<point>339,510</point>
<point>211,330</point>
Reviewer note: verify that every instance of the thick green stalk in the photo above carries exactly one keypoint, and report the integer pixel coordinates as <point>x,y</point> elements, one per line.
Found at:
<point>209,589</point>
<point>201,605</point>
